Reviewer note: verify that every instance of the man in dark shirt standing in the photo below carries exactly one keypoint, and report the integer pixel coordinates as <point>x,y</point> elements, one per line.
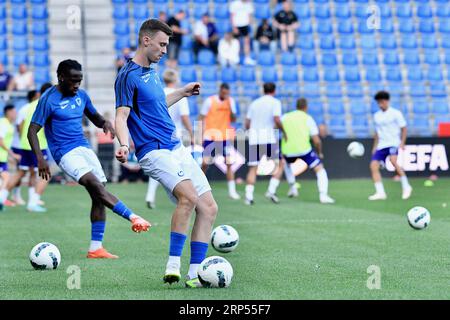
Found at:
<point>175,42</point>
<point>286,22</point>
<point>5,78</point>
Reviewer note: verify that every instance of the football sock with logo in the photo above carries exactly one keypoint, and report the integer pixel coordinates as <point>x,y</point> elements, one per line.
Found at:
<point>122,210</point>
<point>97,231</point>
<point>198,254</point>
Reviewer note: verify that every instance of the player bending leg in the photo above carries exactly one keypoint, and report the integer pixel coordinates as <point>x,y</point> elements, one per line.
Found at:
<point>301,129</point>
<point>60,110</point>
<point>390,126</point>
<point>142,110</point>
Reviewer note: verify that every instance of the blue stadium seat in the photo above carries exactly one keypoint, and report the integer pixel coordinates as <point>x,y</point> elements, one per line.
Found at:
<point>336,107</point>
<point>386,26</point>
<point>333,90</point>
<point>310,74</point>
<point>223,26</point>
<point>247,74</point>
<point>209,89</point>
<point>445,43</point>
<point>2,12</point>
<point>122,42</point>
<point>338,126</point>
<point>444,26</point>
<point>19,12</point>
<point>21,58</point>
<point>368,42</point>
<point>327,43</point>
<point>311,90</point>
<point>417,89</point>
<point>122,28</point>
<point>288,59</point>
<point>119,1</point>
<point>411,57</point>
<point>3,28</point>
<point>355,90</point>
<point>438,89</point>
<point>185,58</point>
<point>289,89</point>
<point>432,57</point>
<point>176,7</point>
<point>120,12</point>
<point>266,58</point>
<point>429,41</point>
<point>424,11</point>
<point>349,59</point>
<point>403,10</point>
<point>442,10</point>
<point>19,28</point>
<point>18,1</point>
<point>4,57</point>
<point>440,107</point>
<point>269,74</point>
<point>41,60</point>
<point>206,58</point>
<point>39,27</point>
<point>342,10</point>
<point>20,43</point>
<point>360,126</point>
<point>370,59</point>
<point>305,27</point>
<point>228,75</point>
<point>364,29</point>
<point>186,42</point>
<point>347,42</point>
<point>373,74</point>
<point>434,74</point>
<point>221,11</point>
<point>415,74</point>
<point>406,25</point>
<point>308,59</point>
<point>289,74</point>
<point>361,11</point>
<point>329,59</point>
<point>141,12</point>
<point>40,43</point>
<point>358,107</point>
<point>41,75</point>
<point>200,9</point>
<point>322,11</point>
<point>209,73</point>
<point>385,9</point>
<point>3,43</point>
<point>262,11</point>
<point>345,26</point>
<point>409,41</point>
<point>302,11</point>
<point>393,74</point>
<point>426,26</point>
<point>188,74</point>
<point>324,27</point>
<point>420,126</point>
<point>305,42</point>
<point>39,12</point>
<point>390,57</point>
<point>331,74</point>
<point>420,106</point>
<point>388,41</point>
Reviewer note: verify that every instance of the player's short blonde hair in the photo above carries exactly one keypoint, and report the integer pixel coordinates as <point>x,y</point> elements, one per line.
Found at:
<point>170,76</point>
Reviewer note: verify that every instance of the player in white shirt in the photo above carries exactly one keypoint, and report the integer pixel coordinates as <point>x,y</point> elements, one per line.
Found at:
<point>390,127</point>
<point>241,12</point>
<point>263,116</point>
<point>179,112</point>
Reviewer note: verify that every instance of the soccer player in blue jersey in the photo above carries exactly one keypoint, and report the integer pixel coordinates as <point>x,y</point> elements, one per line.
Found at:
<point>142,110</point>
<point>60,111</point>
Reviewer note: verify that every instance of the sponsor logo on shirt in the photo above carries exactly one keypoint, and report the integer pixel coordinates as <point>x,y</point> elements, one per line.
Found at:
<point>146,77</point>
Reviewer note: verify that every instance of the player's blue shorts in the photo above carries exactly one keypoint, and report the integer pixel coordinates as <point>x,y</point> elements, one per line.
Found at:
<point>28,159</point>
<point>311,159</point>
<point>3,166</point>
<point>257,151</point>
<point>213,148</point>
<point>382,154</point>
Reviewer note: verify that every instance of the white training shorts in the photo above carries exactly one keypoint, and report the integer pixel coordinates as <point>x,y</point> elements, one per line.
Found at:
<point>170,167</point>
<point>79,161</point>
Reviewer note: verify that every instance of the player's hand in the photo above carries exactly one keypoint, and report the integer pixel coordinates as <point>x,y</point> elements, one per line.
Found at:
<point>321,156</point>
<point>402,146</point>
<point>16,156</point>
<point>108,128</point>
<point>191,89</point>
<point>122,154</point>
<point>44,170</point>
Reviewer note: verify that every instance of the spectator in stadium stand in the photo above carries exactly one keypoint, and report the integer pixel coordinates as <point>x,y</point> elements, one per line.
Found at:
<point>265,38</point>
<point>23,80</point>
<point>286,22</point>
<point>229,48</point>
<point>205,35</point>
<point>173,48</point>
<point>122,59</point>
<point>241,12</point>
<point>5,78</point>
<point>162,16</point>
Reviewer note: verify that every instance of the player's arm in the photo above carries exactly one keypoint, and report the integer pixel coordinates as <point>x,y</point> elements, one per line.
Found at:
<point>122,114</point>
<point>317,142</point>
<point>247,123</point>
<point>191,89</point>
<point>187,124</point>
<point>233,110</point>
<point>403,137</point>
<point>279,125</point>
<point>44,170</point>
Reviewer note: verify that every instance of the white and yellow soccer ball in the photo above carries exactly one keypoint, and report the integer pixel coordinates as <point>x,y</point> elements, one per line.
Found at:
<point>355,149</point>
<point>215,272</point>
<point>224,238</point>
<point>45,255</point>
<point>419,218</point>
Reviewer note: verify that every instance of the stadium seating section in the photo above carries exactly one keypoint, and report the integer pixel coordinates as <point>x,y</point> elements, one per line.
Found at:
<point>343,55</point>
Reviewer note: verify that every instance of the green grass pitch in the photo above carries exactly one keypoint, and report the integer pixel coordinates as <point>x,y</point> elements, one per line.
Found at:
<point>298,249</point>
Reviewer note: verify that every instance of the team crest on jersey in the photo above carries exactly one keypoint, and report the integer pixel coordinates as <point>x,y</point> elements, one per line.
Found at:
<point>78,101</point>
<point>180,173</point>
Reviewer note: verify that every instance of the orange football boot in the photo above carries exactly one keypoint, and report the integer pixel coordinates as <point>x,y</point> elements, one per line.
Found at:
<point>139,224</point>
<point>101,254</point>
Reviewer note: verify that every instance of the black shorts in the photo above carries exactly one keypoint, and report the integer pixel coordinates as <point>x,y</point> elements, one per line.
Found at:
<point>243,31</point>
<point>173,49</point>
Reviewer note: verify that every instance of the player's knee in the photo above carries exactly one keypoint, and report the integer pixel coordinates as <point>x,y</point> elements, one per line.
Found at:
<point>212,210</point>
<point>188,200</point>
<point>374,165</point>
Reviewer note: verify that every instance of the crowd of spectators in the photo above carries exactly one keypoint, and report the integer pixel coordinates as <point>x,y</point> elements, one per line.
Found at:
<point>23,80</point>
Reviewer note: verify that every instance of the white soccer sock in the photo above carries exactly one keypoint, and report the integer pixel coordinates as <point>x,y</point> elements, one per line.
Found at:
<point>16,193</point>
<point>231,187</point>
<point>193,268</point>
<point>322,182</point>
<point>379,188</point>
<point>404,182</point>
<point>151,191</point>
<point>289,174</point>
<point>3,195</point>
<point>273,185</point>
<point>95,245</point>
<point>174,262</point>
<point>31,196</point>
<point>249,191</point>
